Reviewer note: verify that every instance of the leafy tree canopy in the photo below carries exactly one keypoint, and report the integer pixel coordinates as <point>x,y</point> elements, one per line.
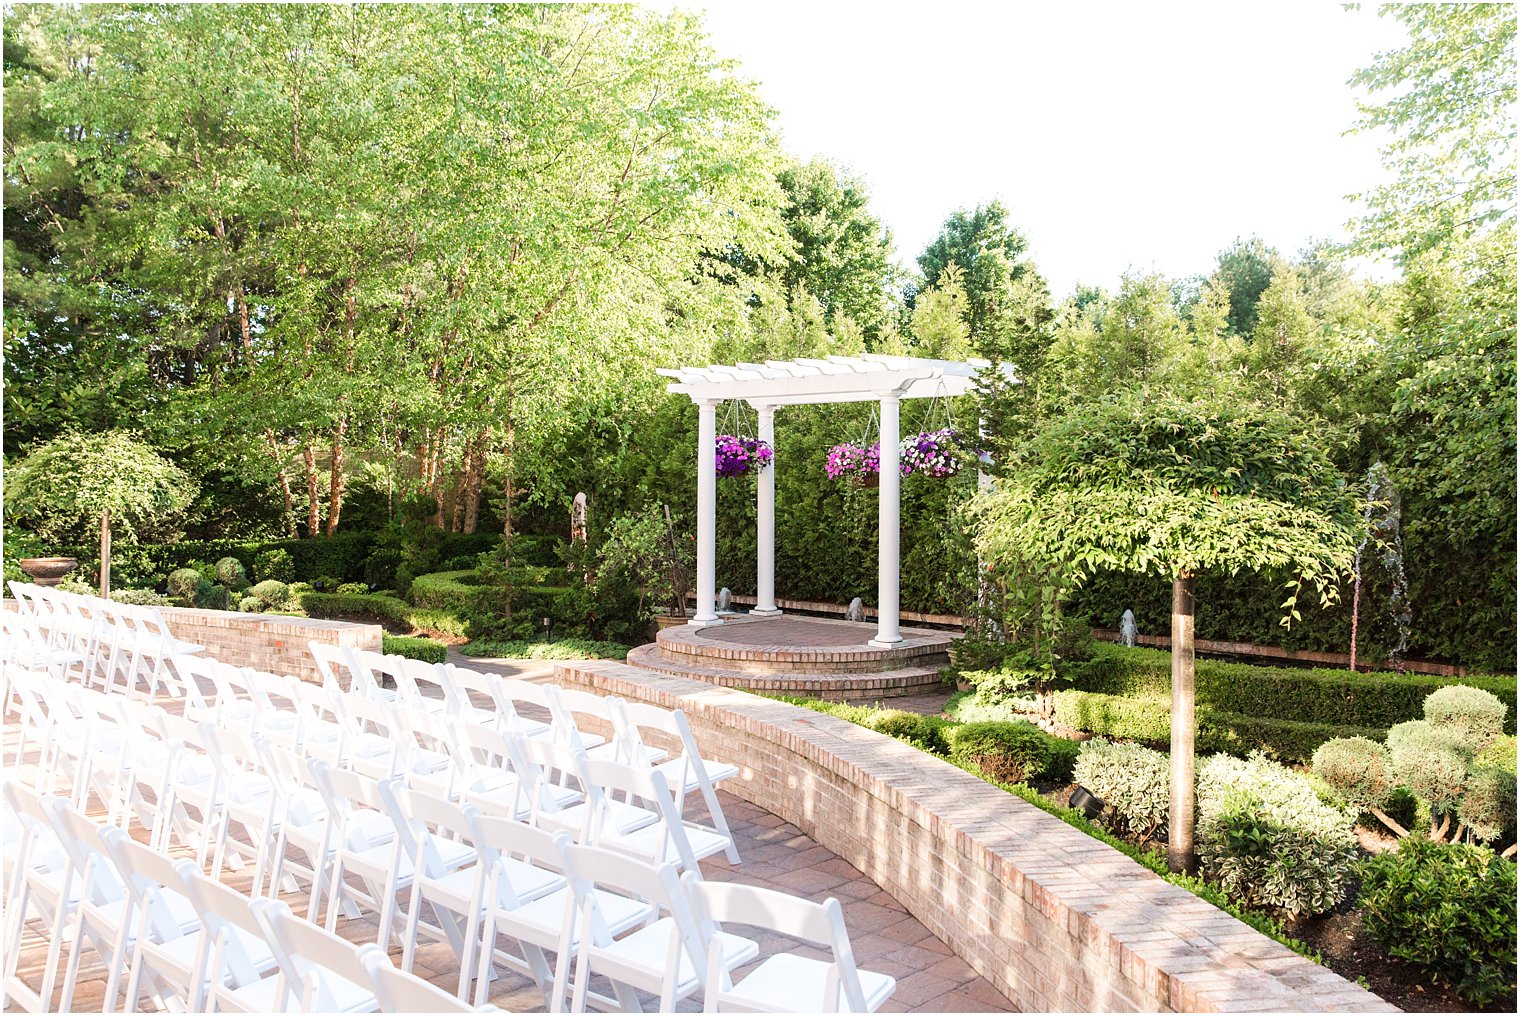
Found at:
<point>1147,483</point>
<point>62,488</point>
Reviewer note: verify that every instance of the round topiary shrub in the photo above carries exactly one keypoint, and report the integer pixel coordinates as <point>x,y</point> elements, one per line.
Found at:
<point>1475,715</point>
<point>251,605</point>
<point>1358,769</point>
<point>1132,780</point>
<point>276,594</point>
<point>1488,804</point>
<point>922,732</point>
<point>184,586</point>
<point>140,598</point>
<point>1448,908</point>
<point>1500,754</point>
<point>1006,752</point>
<point>1424,734</point>
<point>230,573</point>
<point>351,589</point>
<point>1434,773</point>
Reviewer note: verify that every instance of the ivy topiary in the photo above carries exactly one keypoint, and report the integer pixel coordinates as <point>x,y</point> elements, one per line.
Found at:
<point>1474,715</point>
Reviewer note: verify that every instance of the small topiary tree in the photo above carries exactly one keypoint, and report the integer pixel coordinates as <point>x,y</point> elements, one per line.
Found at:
<point>1456,763</point>
<point>96,481</point>
<point>275,594</point>
<point>187,586</point>
<point>925,733</point>
<point>1006,752</point>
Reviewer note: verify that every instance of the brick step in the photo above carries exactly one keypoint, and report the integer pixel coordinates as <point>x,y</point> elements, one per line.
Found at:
<point>835,685</point>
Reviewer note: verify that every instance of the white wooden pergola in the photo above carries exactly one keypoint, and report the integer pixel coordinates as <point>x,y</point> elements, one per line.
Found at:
<point>765,386</point>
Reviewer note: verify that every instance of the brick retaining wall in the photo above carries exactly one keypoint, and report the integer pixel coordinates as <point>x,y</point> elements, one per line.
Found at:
<point>270,642</point>
<point>1053,918</point>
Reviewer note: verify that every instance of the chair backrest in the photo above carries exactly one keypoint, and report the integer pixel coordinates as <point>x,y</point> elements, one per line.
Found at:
<point>337,667</point>
<point>80,838</point>
<point>590,868</point>
<point>398,991</point>
<point>422,816</point>
<point>568,703</point>
<point>818,924</point>
<point>510,692</point>
<point>325,970</point>
<point>460,682</point>
<point>146,874</point>
<point>224,956</point>
<point>649,788</point>
<point>496,837</point>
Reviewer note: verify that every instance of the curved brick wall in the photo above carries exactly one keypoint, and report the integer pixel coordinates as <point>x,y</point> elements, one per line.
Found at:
<point>1055,919</point>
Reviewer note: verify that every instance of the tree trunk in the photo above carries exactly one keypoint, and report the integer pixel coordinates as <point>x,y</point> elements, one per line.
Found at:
<point>279,460</point>
<point>105,554</point>
<point>1179,847</point>
<point>335,483</point>
<point>474,480</point>
<point>313,515</point>
<point>508,487</point>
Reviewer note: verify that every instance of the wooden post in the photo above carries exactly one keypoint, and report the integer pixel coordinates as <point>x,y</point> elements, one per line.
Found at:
<point>105,553</point>
<point>1179,847</point>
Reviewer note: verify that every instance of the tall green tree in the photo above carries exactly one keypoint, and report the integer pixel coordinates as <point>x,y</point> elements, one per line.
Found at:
<point>991,255</point>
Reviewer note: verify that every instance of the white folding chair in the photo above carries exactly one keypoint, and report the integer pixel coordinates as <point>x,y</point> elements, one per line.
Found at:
<point>462,688</point>
<point>234,963</point>
<point>165,948</point>
<point>549,768</point>
<point>325,972</point>
<point>42,882</point>
<point>672,838</point>
<point>688,771</point>
<point>338,670</point>
<point>667,956</point>
<point>784,981</point>
<point>510,693</point>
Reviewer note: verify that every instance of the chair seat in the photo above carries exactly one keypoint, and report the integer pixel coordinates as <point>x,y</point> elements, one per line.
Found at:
<point>648,949</point>
<point>622,818</point>
<point>788,983</point>
<point>655,843</point>
<point>547,913</point>
<point>263,995</point>
<point>676,770</point>
<point>612,752</point>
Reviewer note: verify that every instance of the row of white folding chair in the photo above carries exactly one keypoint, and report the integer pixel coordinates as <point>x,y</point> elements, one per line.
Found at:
<point>117,642</point>
<point>162,924</point>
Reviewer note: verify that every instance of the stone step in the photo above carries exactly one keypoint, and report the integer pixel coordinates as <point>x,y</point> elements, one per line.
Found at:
<point>839,686</point>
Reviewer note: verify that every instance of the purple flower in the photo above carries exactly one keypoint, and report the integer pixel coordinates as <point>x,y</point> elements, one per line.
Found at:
<point>736,456</point>
<point>929,453</point>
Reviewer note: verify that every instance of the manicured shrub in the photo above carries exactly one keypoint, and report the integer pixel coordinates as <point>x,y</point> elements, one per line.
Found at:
<point>1358,769</point>
<point>967,707</point>
<point>188,587</point>
<point>1132,780</point>
<point>251,605</point>
<point>1136,719</point>
<point>1063,758</point>
<point>1473,714</point>
<point>230,573</point>
<point>922,732</point>
<point>274,565</point>
<point>1450,909</point>
<point>1500,754</point>
<point>276,594</point>
<point>1488,803</point>
<point>1007,752</point>
<point>141,598</point>
<point>214,597</point>
<point>1433,772</point>
<point>351,589</point>
<point>1424,734</point>
<point>426,650</point>
<point>379,608</point>
<point>1374,701</point>
<point>1266,838</point>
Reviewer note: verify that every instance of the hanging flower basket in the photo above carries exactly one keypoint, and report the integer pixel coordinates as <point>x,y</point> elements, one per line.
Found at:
<point>929,453</point>
<point>739,456</point>
<point>856,463</point>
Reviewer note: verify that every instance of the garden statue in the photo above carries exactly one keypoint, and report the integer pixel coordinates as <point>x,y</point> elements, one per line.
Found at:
<point>725,600</point>
<point>1127,628</point>
<point>578,518</point>
<point>857,611</point>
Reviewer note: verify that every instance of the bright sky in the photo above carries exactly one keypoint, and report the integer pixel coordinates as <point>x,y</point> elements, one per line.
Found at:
<point>1122,136</point>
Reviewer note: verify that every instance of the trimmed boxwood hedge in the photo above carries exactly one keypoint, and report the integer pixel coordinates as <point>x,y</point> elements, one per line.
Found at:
<point>1349,698</point>
<point>426,650</point>
<point>458,592</point>
<point>383,608</point>
<point>1149,719</point>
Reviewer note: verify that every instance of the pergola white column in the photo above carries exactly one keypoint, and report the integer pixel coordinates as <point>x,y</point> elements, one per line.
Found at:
<point>810,381</point>
<point>887,579</point>
<point>707,513</point>
<point>765,521</point>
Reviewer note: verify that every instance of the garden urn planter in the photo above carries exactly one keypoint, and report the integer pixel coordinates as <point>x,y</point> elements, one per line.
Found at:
<point>48,571</point>
<point>671,620</point>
